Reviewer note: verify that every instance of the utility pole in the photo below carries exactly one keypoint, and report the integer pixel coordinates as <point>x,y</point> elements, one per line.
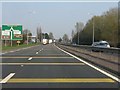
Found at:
<point>72,36</point>
<point>77,29</point>
<point>40,34</point>
<point>27,37</point>
<point>93,30</point>
<point>11,35</point>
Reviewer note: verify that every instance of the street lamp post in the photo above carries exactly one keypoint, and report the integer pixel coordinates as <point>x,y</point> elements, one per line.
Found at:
<point>93,30</point>
<point>27,37</point>
<point>77,29</point>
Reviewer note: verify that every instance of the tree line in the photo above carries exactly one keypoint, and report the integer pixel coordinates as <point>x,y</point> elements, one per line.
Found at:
<point>105,28</point>
<point>27,36</point>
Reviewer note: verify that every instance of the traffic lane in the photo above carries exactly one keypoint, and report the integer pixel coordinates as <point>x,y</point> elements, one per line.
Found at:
<point>51,52</point>
<point>111,86</point>
<point>55,60</point>
<point>15,60</point>
<point>57,71</point>
<point>42,50</point>
<point>12,64</point>
<point>68,72</point>
<point>40,60</point>
<point>7,69</point>
<point>50,49</point>
<point>28,51</point>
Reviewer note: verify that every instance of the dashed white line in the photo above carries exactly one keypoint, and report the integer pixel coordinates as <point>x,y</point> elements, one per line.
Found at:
<point>22,65</point>
<point>7,78</point>
<point>96,68</point>
<point>36,52</point>
<point>30,58</point>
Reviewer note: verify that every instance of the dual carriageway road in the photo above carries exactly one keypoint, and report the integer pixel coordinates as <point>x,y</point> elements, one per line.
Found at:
<point>48,66</point>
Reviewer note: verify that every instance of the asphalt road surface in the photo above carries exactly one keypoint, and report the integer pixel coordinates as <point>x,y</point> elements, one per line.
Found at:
<point>47,66</point>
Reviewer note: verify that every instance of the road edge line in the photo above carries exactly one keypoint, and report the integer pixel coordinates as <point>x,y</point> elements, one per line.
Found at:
<point>96,68</point>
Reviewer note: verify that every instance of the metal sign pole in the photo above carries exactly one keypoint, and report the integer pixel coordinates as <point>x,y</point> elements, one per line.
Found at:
<point>5,43</point>
<point>11,43</point>
<point>27,37</point>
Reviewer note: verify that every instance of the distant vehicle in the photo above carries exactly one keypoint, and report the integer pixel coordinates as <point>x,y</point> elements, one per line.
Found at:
<point>45,41</point>
<point>101,44</point>
<point>50,41</point>
<point>54,40</point>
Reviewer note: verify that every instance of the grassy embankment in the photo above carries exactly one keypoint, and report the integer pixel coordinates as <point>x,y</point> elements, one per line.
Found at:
<point>14,47</point>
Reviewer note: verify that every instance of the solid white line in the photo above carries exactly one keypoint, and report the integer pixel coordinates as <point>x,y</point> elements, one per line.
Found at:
<point>30,58</point>
<point>7,78</point>
<point>96,68</point>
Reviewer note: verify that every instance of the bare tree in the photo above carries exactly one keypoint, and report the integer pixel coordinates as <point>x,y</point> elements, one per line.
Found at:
<point>39,34</point>
<point>72,35</point>
<point>65,38</point>
<point>79,27</point>
<point>51,35</point>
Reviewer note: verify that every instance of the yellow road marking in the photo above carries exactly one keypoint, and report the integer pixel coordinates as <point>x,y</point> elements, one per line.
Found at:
<point>61,80</point>
<point>35,57</point>
<point>42,64</point>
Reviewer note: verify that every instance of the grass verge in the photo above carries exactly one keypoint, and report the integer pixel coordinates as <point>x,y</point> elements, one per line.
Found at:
<point>14,47</point>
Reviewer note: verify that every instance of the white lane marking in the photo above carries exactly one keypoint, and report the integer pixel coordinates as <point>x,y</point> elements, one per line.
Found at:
<point>22,65</point>
<point>96,68</point>
<point>7,78</point>
<point>30,58</point>
<point>36,52</point>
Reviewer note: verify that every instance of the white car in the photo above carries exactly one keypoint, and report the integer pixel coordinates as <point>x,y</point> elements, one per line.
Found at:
<point>101,44</point>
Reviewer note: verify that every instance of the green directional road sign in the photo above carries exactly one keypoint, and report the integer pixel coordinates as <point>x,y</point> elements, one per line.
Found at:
<point>11,32</point>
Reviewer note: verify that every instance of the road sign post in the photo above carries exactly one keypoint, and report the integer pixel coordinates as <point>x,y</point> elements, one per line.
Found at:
<point>18,42</point>
<point>5,43</point>
<point>11,43</point>
<point>11,32</point>
<point>11,37</point>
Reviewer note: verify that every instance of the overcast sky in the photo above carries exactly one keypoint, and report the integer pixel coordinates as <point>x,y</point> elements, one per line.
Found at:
<point>56,17</point>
